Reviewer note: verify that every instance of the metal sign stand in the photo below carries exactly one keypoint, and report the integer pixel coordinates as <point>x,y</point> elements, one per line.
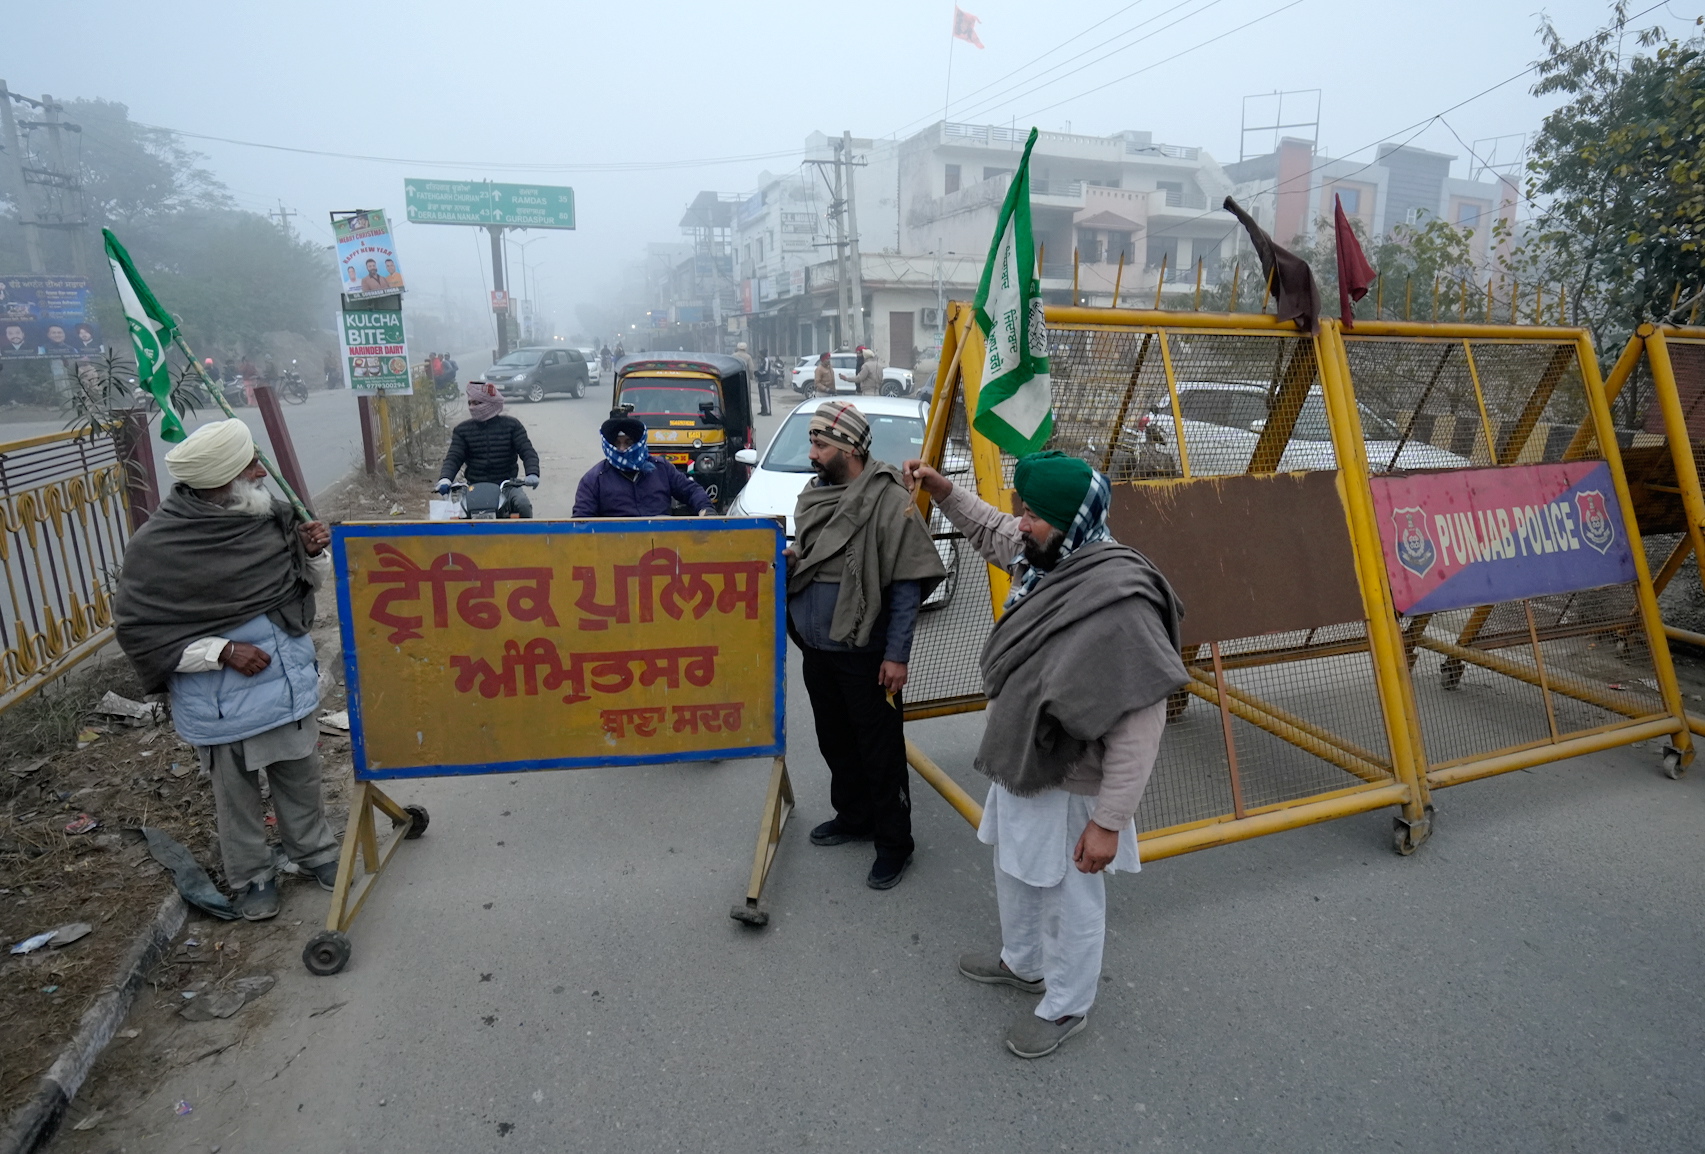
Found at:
<point>778,806</point>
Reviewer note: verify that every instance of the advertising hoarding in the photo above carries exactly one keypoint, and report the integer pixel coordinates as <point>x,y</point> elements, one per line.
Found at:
<point>45,317</point>
<point>375,351</point>
<point>367,262</point>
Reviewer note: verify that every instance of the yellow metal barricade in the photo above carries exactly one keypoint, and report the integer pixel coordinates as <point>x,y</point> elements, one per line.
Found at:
<point>64,519</point>
<point>1657,391</point>
<point>1246,459</point>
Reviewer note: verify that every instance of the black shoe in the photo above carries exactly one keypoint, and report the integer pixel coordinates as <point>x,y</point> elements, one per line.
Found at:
<point>325,874</point>
<point>887,871</point>
<point>832,832</point>
<point>259,902</point>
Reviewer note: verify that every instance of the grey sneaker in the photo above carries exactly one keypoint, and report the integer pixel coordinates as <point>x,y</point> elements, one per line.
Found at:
<point>990,970</point>
<point>325,873</point>
<point>1033,1037</point>
<point>259,902</point>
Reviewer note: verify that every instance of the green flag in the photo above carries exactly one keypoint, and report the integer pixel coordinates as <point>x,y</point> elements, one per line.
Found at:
<point>151,331</point>
<point>1015,404</point>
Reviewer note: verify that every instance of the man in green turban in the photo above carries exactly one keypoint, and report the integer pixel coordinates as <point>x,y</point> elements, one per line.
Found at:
<point>1077,672</point>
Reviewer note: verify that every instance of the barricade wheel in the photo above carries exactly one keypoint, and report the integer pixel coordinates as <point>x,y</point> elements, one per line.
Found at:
<point>417,824</point>
<point>1673,769</point>
<point>326,953</point>
<point>1450,673</point>
<point>1403,838</point>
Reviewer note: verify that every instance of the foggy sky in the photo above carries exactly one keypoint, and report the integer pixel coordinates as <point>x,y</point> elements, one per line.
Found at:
<point>506,83</point>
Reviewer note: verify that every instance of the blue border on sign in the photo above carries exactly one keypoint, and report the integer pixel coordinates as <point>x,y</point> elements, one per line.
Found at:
<point>352,670</point>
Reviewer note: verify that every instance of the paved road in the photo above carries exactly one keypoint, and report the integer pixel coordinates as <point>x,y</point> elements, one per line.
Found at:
<point>325,430</point>
<point>552,969</point>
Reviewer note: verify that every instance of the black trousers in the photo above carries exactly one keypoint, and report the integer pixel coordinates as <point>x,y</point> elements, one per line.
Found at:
<point>861,738</point>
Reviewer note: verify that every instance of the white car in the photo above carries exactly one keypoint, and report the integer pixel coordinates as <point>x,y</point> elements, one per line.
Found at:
<point>1223,422</point>
<point>594,365</point>
<point>895,382</point>
<point>896,435</point>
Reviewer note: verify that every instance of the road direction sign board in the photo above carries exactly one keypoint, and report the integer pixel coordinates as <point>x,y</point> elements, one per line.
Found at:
<point>484,202</point>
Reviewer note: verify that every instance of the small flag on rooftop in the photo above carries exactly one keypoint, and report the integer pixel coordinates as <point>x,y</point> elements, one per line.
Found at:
<point>1015,405</point>
<point>965,26</point>
<point>151,331</point>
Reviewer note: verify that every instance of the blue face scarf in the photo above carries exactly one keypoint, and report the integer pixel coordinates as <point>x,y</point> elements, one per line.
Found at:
<point>635,459</point>
<point>1089,525</point>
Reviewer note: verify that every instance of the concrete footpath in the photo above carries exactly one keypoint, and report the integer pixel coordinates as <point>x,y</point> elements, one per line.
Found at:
<point>552,968</point>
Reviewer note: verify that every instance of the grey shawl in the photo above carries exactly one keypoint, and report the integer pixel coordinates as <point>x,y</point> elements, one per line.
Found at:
<point>1094,641</point>
<point>867,535</point>
<point>196,569</point>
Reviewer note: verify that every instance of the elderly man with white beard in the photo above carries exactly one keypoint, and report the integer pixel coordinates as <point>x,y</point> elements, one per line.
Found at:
<point>214,604</point>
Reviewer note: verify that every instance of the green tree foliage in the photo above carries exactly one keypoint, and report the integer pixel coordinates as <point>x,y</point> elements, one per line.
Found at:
<point>1620,170</point>
<point>231,276</point>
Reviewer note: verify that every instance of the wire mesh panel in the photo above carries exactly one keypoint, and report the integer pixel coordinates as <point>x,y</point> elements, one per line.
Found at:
<point>1497,677</point>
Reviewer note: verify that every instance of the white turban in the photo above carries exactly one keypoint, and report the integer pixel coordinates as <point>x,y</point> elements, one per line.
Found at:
<point>213,455</point>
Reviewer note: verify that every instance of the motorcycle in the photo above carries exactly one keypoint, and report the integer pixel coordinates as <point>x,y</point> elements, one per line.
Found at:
<point>482,502</point>
<point>292,387</point>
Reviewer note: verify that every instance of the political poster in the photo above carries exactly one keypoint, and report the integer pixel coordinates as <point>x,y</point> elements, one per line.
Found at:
<point>375,351</point>
<point>47,317</point>
<point>367,263</point>
<point>496,646</point>
<point>1480,536</point>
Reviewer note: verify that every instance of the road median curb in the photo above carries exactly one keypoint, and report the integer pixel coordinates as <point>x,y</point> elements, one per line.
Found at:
<point>33,1125</point>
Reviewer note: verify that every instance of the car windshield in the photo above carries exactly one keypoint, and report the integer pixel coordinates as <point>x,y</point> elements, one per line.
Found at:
<point>667,400</point>
<point>520,359</point>
<point>892,438</point>
<point>1312,424</point>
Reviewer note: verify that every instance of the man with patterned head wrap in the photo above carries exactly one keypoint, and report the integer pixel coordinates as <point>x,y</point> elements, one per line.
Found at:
<point>488,444</point>
<point>1077,672</point>
<point>630,482</point>
<point>215,600</point>
<point>861,565</point>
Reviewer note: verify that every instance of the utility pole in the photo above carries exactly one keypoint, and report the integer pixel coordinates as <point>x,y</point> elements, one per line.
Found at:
<point>496,231</point>
<point>70,184</point>
<point>861,333</point>
<point>839,208</point>
<point>25,199</point>
<point>283,216</point>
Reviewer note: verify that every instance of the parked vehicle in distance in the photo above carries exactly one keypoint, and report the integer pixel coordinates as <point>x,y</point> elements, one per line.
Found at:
<point>594,366</point>
<point>896,435</point>
<point>1223,422</point>
<point>895,382</point>
<point>534,372</point>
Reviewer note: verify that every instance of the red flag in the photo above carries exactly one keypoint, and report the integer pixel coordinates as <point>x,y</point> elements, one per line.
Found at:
<point>965,26</point>
<point>1355,274</point>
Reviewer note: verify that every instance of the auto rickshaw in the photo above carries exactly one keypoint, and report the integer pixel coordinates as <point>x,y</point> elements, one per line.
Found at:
<point>697,411</point>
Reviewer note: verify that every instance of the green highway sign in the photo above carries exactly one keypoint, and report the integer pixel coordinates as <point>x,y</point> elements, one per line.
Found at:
<point>485,202</point>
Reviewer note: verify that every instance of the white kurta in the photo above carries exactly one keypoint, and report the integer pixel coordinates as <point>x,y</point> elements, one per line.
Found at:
<point>1053,917</point>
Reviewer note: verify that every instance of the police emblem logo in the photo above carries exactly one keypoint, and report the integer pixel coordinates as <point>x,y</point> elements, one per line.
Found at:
<point>1415,549</point>
<point>1596,527</point>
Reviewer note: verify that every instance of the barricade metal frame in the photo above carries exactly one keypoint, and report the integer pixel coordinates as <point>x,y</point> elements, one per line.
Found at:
<point>1406,775</point>
<point>1650,349</point>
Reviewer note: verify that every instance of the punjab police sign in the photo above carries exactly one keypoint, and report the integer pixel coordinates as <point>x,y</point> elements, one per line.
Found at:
<point>487,647</point>
<point>1480,536</point>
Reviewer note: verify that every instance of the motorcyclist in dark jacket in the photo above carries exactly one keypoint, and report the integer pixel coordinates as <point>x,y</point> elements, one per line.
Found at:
<point>487,446</point>
<point>630,482</point>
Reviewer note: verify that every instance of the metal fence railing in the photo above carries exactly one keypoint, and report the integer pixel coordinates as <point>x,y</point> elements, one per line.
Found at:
<point>64,520</point>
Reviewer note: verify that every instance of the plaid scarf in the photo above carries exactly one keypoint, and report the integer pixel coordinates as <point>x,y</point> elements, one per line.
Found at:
<point>1089,524</point>
<point>635,459</point>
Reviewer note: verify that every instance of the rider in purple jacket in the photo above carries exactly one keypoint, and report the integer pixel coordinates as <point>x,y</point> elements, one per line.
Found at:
<point>630,482</point>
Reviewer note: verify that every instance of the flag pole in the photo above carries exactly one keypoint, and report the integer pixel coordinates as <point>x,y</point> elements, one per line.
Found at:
<point>218,394</point>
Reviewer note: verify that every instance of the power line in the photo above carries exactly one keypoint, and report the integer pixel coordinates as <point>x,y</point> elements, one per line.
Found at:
<point>611,166</point>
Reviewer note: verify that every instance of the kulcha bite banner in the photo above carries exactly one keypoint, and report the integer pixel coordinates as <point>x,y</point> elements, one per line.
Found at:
<point>367,262</point>
<point>497,646</point>
<point>375,350</point>
<point>1480,536</point>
